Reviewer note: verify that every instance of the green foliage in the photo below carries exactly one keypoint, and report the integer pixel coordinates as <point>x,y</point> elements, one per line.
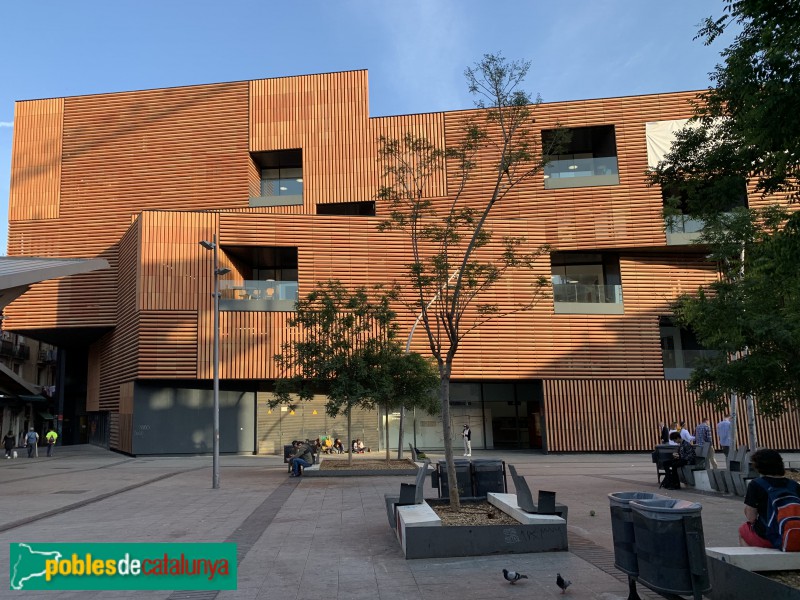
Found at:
<point>748,128</point>
<point>346,348</point>
<point>749,122</point>
<point>755,318</point>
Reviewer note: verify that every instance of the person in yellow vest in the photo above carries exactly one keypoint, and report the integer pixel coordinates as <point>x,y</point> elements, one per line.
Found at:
<point>51,438</point>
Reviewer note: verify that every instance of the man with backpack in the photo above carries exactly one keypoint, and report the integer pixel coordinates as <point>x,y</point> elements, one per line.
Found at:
<point>32,441</point>
<point>771,506</point>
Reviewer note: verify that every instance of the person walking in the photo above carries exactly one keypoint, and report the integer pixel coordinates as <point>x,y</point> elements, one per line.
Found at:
<point>467,435</point>
<point>703,436</point>
<point>31,440</point>
<point>50,437</point>
<point>724,434</point>
<point>9,442</point>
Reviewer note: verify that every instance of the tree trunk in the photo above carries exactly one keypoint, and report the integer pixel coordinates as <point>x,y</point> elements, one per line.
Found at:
<point>734,411</point>
<point>400,433</point>
<point>447,432</point>
<point>349,435</point>
<point>751,423</point>
<point>386,437</point>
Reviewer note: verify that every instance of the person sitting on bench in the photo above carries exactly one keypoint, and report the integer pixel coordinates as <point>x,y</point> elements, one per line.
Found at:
<point>684,455</point>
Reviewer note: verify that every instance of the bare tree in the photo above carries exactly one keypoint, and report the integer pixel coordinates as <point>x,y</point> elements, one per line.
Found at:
<point>454,258</point>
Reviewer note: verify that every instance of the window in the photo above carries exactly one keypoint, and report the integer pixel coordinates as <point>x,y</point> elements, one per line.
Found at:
<point>720,195</point>
<point>586,283</point>
<point>281,173</point>
<point>353,209</point>
<point>588,158</point>
<point>680,350</point>
<point>270,279</point>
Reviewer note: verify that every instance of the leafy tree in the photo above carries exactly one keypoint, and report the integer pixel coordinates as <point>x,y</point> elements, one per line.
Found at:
<point>347,350</point>
<point>403,380</point>
<point>755,318</point>
<point>747,128</point>
<point>454,260</point>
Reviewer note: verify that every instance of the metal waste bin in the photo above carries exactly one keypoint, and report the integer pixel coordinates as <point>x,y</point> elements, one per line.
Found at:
<point>670,548</point>
<point>463,478</point>
<point>622,528</point>
<point>488,475</point>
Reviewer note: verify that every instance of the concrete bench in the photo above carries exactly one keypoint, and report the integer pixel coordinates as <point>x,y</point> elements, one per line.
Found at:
<point>410,493</point>
<point>756,559</point>
<point>547,500</point>
<point>687,472</point>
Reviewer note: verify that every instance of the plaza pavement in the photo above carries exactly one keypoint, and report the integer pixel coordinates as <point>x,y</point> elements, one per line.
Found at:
<point>320,538</point>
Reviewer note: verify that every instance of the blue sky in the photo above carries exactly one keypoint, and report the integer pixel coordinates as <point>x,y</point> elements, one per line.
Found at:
<point>415,50</point>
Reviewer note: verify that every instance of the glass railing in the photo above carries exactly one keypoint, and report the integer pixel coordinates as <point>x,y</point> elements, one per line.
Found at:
<point>256,295</point>
<point>285,186</point>
<point>686,359</point>
<point>581,167</point>
<point>682,224</point>
<point>579,292</point>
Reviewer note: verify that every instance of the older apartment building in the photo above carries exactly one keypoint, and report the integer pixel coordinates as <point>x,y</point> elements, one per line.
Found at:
<point>284,173</point>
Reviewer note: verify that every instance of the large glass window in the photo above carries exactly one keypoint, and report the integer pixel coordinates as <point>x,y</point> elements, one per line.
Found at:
<point>588,157</point>
<point>680,350</point>
<point>269,279</point>
<point>281,173</point>
<point>585,278</point>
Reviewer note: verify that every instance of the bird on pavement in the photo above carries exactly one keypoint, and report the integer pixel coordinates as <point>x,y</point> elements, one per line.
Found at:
<point>562,583</point>
<point>512,576</point>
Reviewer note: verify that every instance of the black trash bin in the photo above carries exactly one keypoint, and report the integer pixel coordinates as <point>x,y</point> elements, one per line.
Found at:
<point>622,528</point>
<point>670,548</point>
<point>488,475</point>
<point>463,477</point>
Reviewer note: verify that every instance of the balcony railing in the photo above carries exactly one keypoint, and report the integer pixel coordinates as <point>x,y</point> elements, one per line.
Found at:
<point>591,294</point>
<point>685,359</point>
<point>256,296</point>
<point>16,351</point>
<point>47,356</point>
<point>581,172</point>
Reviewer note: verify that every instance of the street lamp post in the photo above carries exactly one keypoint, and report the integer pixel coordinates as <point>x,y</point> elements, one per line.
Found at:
<point>212,245</point>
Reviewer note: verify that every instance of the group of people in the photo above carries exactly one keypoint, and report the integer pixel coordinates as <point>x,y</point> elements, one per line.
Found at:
<point>329,446</point>
<point>31,442</point>
<point>303,453</point>
<point>772,500</point>
<point>685,454</point>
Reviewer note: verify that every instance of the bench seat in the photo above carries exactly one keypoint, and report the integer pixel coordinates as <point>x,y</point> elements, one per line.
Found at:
<point>756,559</point>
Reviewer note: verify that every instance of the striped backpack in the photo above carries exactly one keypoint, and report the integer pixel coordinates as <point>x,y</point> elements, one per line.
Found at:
<point>782,521</point>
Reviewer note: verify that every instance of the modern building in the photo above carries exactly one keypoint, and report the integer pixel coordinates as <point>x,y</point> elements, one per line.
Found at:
<point>284,172</point>
<point>28,368</point>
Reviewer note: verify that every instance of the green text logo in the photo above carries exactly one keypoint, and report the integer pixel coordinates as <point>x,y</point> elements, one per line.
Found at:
<point>122,566</point>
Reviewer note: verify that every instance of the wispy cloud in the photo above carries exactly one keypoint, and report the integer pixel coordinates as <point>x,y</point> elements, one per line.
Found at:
<point>6,124</point>
<point>425,45</point>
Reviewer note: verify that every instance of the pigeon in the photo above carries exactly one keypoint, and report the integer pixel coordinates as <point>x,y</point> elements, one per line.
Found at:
<point>512,576</point>
<point>562,583</point>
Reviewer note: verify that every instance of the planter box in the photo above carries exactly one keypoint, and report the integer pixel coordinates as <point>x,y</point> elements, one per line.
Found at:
<point>729,582</point>
<point>422,535</point>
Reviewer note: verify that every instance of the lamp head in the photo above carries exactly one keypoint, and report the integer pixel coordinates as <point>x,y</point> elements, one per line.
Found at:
<point>207,245</point>
<point>222,271</point>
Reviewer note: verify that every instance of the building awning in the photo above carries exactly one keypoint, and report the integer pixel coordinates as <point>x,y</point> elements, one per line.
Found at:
<point>46,416</point>
<point>34,398</point>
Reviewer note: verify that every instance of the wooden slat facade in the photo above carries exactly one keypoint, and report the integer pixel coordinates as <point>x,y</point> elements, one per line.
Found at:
<point>141,177</point>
